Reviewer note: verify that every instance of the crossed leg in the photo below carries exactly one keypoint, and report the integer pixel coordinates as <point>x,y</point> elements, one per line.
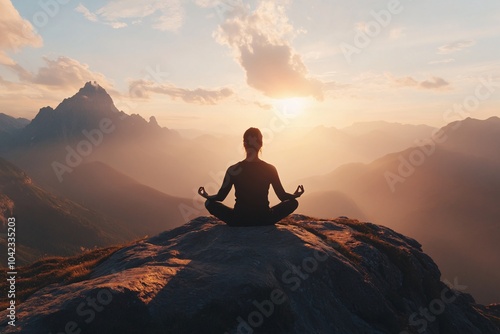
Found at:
<point>219,210</point>
<point>227,214</point>
<point>282,210</point>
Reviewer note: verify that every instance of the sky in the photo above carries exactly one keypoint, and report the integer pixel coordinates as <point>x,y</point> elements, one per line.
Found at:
<point>225,65</point>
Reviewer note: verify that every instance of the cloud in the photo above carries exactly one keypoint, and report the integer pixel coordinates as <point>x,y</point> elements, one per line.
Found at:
<point>435,83</point>
<point>16,32</point>
<point>208,3</point>
<point>261,44</point>
<point>442,61</point>
<point>260,104</point>
<point>455,46</point>
<point>11,86</point>
<point>65,72</point>
<point>86,13</point>
<point>116,25</point>
<point>265,106</point>
<point>62,73</point>
<point>56,79</point>
<point>405,82</point>
<point>141,89</point>
<point>165,15</point>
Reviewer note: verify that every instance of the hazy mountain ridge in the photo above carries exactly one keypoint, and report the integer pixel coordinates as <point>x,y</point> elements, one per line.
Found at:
<point>393,128</point>
<point>302,276</point>
<point>449,202</point>
<point>9,124</point>
<point>322,148</point>
<point>88,127</point>
<point>330,204</point>
<point>102,188</point>
<point>9,128</point>
<point>474,137</point>
<point>96,206</point>
<point>49,225</point>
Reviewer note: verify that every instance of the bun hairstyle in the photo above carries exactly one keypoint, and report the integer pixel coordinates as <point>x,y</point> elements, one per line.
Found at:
<point>252,138</point>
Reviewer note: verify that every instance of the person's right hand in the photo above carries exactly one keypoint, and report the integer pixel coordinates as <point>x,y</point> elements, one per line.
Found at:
<point>299,191</point>
<point>202,192</point>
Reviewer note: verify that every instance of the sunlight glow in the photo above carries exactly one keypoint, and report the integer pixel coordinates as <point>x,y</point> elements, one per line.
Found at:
<point>291,107</point>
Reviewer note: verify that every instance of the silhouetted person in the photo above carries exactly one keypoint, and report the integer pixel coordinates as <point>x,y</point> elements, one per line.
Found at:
<point>251,179</point>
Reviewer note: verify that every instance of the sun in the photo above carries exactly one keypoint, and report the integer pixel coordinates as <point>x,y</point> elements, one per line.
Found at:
<point>291,107</point>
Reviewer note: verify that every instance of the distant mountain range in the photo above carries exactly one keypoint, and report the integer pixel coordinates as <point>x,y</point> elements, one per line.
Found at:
<point>139,208</point>
<point>9,127</point>
<point>447,198</point>
<point>88,127</point>
<point>9,124</point>
<point>76,203</point>
<point>47,224</point>
<point>322,149</point>
<point>99,207</point>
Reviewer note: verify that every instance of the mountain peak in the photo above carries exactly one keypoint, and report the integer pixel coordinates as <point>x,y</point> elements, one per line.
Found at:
<point>90,98</point>
<point>153,121</point>
<point>91,87</point>
<point>84,110</point>
<point>301,276</point>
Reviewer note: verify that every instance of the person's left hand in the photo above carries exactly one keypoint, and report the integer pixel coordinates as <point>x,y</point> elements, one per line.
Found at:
<point>202,192</point>
<point>299,191</point>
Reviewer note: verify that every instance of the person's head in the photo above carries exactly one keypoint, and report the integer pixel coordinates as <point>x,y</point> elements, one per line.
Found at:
<point>252,139</point>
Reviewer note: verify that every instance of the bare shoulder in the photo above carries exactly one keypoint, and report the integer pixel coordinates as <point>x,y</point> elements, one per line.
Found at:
<point>234,169</point>
<point>270,167</point>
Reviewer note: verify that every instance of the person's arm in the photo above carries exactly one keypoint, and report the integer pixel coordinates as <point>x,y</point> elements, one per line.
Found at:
<point>223,191</point>
<point>280,191</point>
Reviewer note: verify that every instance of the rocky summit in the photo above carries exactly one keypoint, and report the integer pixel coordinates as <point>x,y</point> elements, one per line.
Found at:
<point>304,275</point>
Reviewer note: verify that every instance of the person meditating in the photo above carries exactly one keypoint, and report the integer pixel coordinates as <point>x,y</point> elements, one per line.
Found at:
<point>251,179</point>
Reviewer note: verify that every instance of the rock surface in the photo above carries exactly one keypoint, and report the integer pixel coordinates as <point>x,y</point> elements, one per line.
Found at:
<point>304,275</point>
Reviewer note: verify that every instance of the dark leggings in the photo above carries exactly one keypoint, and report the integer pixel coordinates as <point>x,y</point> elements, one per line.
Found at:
<point>229,216</point>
